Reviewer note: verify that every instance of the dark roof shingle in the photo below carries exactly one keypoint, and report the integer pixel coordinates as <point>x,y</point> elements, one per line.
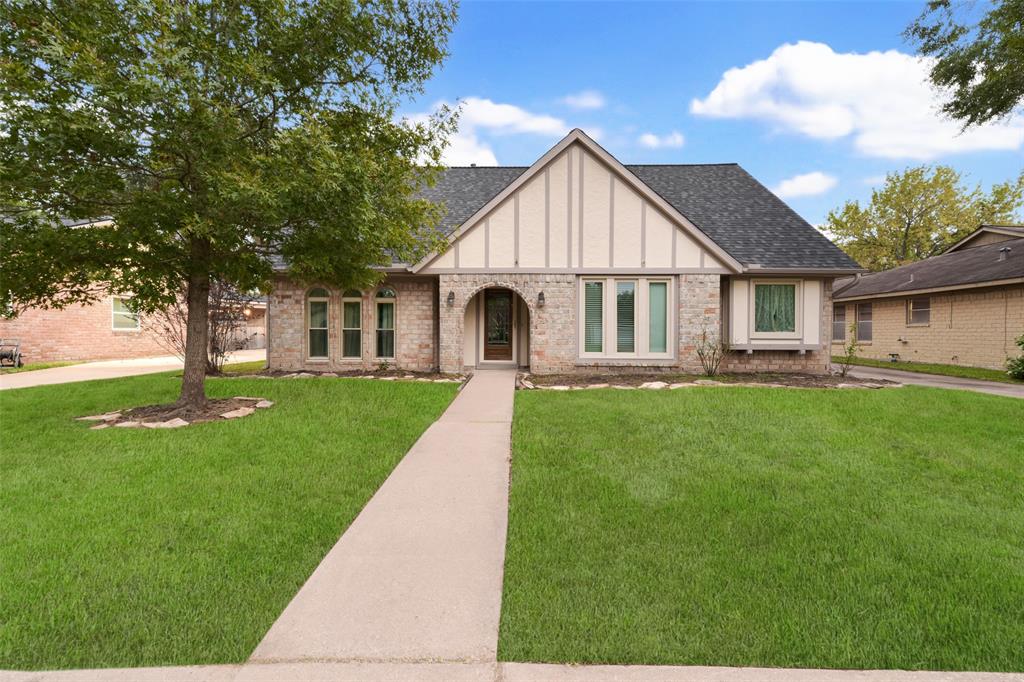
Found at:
<point>958,268</point>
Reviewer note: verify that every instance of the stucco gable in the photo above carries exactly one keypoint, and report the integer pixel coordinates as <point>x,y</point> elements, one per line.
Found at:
<point>578,208</point>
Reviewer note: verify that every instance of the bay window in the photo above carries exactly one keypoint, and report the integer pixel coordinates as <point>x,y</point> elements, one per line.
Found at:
<point>633,320</point>
<point>774,308</point>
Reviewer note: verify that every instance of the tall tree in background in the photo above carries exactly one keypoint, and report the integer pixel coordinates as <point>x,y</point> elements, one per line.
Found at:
<point>217,135</point>
<point>979,53</point>
<point>919,213</point>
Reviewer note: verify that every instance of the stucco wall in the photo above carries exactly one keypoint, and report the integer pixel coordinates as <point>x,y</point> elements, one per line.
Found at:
<point>414,328</point>
<point>575,213</point>
<point>972,327</point>
<point>79,332</point>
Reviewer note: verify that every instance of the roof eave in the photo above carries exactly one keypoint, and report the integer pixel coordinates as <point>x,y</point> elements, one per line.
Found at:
<point>837,272</point>
<point>932,290</point>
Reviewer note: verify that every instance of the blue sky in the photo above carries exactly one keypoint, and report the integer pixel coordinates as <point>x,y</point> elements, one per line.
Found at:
<point>824,95</point>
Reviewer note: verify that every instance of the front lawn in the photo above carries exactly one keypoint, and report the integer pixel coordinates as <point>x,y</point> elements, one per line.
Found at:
<point>137,547</point>
<point>767,527</point>
<point>961,371</point>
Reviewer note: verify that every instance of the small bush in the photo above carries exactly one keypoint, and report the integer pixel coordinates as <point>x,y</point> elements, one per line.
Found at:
<point>711,349</point>
<point>1015,366</point>
<point>849,351</point>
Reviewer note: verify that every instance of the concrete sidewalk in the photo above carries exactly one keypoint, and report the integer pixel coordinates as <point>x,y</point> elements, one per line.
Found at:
<point>417,576</point>
<point>939,381</point>
<point>328,671</point>
<point>108,369</point>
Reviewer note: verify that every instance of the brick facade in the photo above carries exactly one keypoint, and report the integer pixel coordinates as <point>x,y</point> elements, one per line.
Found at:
<point>970,327</point>
<point>78,332</point>
<point>430,332</point>
<point>414,327</point>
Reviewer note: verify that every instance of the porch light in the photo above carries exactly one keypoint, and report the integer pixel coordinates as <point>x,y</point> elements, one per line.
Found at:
<point>540,300</point>
<point>451,298</point>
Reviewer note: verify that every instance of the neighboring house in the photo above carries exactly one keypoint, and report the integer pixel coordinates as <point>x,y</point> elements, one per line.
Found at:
<point>963,307</point>
<point>105,330</point>
<point>580,263</point>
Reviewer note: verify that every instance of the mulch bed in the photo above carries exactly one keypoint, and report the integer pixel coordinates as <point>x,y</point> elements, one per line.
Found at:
<point>175,416</point>
<point>638,380</point>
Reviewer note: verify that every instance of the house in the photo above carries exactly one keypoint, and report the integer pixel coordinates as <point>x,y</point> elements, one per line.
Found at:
<point>964,307</point>
<point>580,263</point>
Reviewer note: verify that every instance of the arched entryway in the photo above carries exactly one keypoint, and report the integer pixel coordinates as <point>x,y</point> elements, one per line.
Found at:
<point>496,329</point>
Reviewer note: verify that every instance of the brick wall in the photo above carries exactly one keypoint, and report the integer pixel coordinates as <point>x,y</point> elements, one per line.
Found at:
<point>414,327</point>
<point>79,332</point>
<point>972,327</point>
<point>811,362</point>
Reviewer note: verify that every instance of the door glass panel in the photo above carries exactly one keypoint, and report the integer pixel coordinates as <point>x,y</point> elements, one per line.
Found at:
<point>499,320</point>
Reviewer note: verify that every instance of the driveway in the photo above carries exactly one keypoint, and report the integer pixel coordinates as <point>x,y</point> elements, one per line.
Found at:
<point>108,369</point>
<point>939,381</point>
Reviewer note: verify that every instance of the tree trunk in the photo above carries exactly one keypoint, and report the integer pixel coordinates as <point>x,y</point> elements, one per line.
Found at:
<point>193,379</point>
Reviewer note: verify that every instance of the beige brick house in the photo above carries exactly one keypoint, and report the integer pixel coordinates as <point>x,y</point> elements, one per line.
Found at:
<point>579,263</point>
<point>964,307</point>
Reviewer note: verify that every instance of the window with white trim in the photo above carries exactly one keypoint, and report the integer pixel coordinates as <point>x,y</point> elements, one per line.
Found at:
<point>625,317</point>
<point>386,323</point>
<point>123,317</point>
<point>864,322</point>
<point>774,307</point>
<point>839,322</point>
<point>352,324</point>
<point>919,312</point>
<point>316,319</point>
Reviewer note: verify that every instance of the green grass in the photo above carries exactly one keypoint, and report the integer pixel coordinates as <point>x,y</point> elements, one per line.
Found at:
<point>961,371</point>
<point>767,527</point>
<point>244,367</point>
<point>131,547</point>
<point>32,366</point>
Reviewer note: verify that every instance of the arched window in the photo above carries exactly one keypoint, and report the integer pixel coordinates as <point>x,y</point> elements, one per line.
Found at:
<point>386,323</point>
<point>352,324</point>
<point>316,318</point>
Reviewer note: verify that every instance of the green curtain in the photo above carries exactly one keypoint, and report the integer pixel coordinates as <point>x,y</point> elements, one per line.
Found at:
<point>593,302</point>
<point>775,308</point>
<point>625,312</point>
<point>658,299</point>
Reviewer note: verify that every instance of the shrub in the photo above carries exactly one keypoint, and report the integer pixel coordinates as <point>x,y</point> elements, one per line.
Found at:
<point>1015,366</point>
<point>849,350</point>
<point>711,349</point>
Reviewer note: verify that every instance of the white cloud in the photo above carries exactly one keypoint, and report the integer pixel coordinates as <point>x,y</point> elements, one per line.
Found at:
<point>874,180</point>
<point>805,185</point>
<point>481,117</point>
<point>673,140</point>
<point>586,99</point>
<point>882,100</point>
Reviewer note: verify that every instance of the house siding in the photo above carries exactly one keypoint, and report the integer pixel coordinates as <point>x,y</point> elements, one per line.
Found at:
<point>968,327</point>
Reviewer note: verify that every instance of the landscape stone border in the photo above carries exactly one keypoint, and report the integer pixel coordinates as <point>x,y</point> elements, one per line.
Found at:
<point>108,419</point>
<point>405,377</point>
<point>524,384</point>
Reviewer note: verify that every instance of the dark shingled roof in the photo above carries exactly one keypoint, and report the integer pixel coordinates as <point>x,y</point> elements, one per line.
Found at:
<point>724,201</point>
<point>959,268</point>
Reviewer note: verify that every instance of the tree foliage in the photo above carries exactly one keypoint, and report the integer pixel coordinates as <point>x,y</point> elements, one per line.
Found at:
<point>979,60</point>
<point>918,214</point>
<point>217,135</point>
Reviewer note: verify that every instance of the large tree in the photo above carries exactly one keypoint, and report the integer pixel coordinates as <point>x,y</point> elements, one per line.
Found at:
<point>979,56</point>
<point>919,213</point>
<point>217,136</point>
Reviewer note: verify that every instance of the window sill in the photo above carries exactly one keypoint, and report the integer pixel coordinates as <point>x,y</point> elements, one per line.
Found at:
<point>918,326</point>
<point>651,362</point>
<point>796,346</point>
<point>318,361</point>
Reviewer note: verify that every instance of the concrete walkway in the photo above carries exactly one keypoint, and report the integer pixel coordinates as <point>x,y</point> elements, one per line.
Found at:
<point>108,369</point>
<point>939,381</point>
<point>491,672</point>
<point>417,576</point>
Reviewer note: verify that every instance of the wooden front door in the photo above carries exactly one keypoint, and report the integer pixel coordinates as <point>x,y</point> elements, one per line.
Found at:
<point>498,324</point>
